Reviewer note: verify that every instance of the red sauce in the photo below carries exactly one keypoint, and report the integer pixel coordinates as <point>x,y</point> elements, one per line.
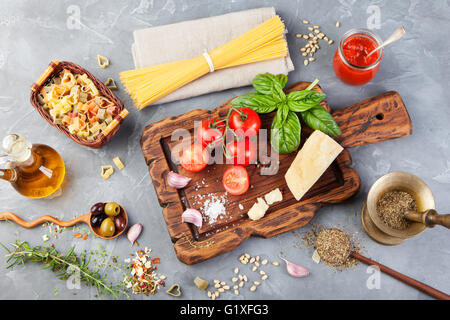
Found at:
<point>355,50</point>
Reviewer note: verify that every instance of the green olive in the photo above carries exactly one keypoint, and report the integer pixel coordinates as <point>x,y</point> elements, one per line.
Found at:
<point>112,209</point>
<point>107,228</point>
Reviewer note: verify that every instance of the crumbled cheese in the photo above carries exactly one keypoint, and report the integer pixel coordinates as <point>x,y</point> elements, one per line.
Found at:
<point>258,210</point>
<point>241,206</point>
<point>273,196</point>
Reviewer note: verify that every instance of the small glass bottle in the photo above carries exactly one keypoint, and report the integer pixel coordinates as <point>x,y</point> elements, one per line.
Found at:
<point>35,171</point>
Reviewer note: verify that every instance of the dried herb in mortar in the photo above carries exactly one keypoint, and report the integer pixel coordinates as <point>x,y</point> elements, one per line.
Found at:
<point>391,208</point>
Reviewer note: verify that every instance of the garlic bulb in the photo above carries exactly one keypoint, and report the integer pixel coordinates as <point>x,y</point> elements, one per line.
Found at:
<point>192,216</point>
<point>176,180</point>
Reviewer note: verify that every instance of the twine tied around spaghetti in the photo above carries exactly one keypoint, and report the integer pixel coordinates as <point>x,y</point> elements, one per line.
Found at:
<point>209,61</point>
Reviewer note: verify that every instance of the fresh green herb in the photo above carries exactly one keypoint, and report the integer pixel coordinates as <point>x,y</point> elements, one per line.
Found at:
<point>281,134</point>
<point>286,129</point>
<point>61,264</point>
<point>319,119</point>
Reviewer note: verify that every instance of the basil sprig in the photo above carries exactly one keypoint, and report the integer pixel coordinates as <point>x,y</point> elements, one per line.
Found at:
<point>286,128</point>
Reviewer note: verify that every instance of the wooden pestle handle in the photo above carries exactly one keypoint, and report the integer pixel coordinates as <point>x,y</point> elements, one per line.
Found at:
<point>377,119</point>
<point>31,224</point>
<point>405,279</point>
<point>430,218</point>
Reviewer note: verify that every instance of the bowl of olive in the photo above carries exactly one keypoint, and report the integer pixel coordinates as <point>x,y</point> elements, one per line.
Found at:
<point>108,220</point>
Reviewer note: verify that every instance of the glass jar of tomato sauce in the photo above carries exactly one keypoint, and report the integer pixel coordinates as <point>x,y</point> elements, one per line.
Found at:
<point>351,62</point>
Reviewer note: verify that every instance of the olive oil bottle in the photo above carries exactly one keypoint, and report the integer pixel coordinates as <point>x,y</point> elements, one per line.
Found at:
<point>35,171</point>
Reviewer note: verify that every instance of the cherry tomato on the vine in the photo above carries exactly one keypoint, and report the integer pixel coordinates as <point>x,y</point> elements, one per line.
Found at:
<point>245,122</point>
<point>243,152</point>
<point>210,132</point>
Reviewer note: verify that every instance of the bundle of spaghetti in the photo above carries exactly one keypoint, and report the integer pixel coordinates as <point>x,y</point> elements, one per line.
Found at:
<point>264,42</point>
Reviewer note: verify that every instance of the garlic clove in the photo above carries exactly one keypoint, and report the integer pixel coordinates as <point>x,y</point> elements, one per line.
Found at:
<point>295,270</point>
<point>192,216</point>
<point>176,180</point>
<point>134,232</point>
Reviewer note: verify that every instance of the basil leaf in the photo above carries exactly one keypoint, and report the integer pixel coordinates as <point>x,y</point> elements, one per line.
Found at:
<point>282,79</point>
<point>258,102</point>
<point>263,83</point>
<point>278,93</point>
<point>269,84</point>
<point>318,118</point>
<point>283,111</point>
<point>300,101</point>
<point>285,135</point>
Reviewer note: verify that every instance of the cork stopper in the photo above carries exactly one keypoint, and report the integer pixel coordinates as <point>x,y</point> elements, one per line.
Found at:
<point>16,147</point>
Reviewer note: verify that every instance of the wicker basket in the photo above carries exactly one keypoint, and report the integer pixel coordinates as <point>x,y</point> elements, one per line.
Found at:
<point>54,68</point>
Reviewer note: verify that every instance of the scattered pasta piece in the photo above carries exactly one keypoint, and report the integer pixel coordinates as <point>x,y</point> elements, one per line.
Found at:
<point>107,171</point>
<point>103,62</point>
<point>111,84</point>
<point>118,163</point>
<point>174,291</point>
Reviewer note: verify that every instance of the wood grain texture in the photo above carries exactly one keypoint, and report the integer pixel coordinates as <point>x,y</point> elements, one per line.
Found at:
<point>339,182</point>
<point>403,278</point>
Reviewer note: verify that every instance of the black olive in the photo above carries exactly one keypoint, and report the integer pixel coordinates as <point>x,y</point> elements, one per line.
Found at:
<point>97,220</point>
<point>98,208</point>
<point>120,223</point>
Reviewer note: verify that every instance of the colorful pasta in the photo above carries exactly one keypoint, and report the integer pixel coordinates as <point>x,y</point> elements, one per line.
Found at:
<point>74,101</point>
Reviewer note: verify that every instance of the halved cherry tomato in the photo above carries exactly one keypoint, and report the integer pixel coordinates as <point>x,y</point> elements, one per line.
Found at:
<point>210,133</point>
<point>235,180</point>
<point>243,152</point>
<point>194,158</point>
<point>245,122</point>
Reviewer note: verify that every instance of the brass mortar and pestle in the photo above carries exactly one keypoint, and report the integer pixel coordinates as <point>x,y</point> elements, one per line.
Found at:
<point>86,218</point>
<point>425,216</point>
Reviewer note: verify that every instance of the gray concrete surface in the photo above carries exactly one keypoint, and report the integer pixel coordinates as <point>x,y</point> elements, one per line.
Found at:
<point>34,32</point>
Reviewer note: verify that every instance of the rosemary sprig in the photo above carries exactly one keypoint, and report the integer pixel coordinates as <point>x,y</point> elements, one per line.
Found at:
<point>22,252</point>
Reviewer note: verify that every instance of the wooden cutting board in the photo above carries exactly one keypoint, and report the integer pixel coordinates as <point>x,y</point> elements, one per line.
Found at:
<point>377,119</point>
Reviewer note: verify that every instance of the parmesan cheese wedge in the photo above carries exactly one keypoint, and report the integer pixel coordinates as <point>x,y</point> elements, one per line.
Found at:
<point>317,154</point>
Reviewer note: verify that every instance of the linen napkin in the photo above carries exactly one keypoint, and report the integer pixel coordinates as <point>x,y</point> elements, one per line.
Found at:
<point>189,39</point>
